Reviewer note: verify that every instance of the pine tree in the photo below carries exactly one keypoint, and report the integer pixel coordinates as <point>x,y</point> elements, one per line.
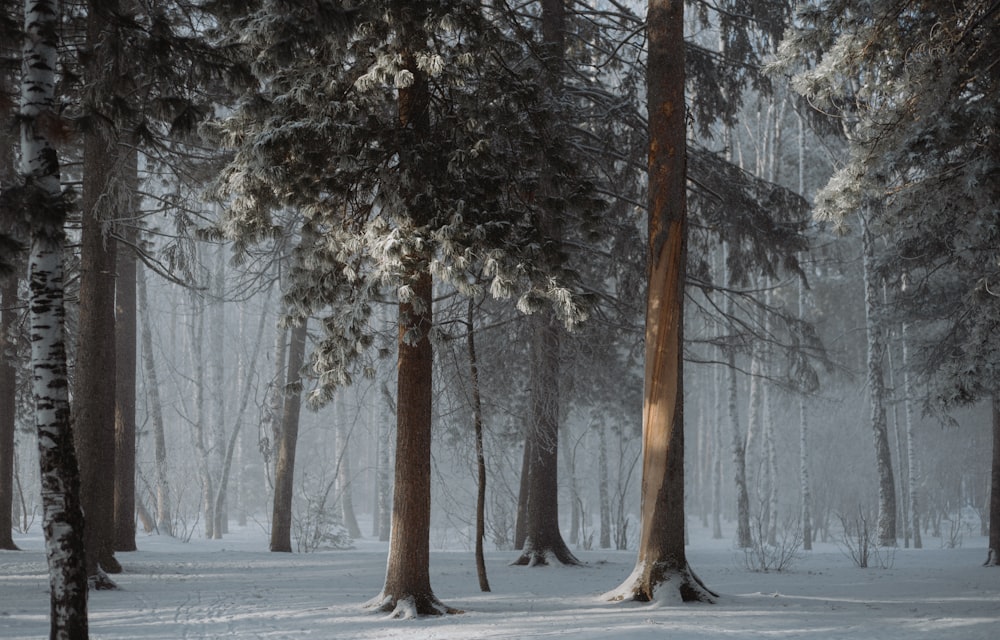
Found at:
<point>917,85</point>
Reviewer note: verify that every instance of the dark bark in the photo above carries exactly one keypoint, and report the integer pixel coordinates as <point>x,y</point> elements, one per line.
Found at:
<point>407,589</point>
<point>993,553</point>
<point>125,351</point>
<point>9,304</point>
<point>62,517</point>
<point>661,561</point>
<point>284,473</point>
<point>542,536</point>
<point>94,379</point>
<point>8,406</point>
<point>477,413</point>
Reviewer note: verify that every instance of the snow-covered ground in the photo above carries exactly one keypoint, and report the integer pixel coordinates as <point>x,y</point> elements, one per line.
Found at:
<point>235,588</point>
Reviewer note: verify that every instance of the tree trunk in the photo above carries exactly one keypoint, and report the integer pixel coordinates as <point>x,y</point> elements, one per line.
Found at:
<point>993,552</point>
<point>125,350</point>
<point>743,537</point>
<point>231,446</point>
<point>164,517</point>
<point>198,435</point>
<point>384,459</point>
<point>94,378</point>
<point>344,473</point>
<point>284,473</point>
<point>62,516</point>
<point>805,486</point>
<point>542,536</point>
<point>407,591</point>
<point>912,459</point>
<point>880,429</point>
<point>603,493</point>
<point>716,462</point>
<point>477,413</point>
<point>661,559</point>
<point>216,381</point>
<point>8,407</point>
<point>9,304</point>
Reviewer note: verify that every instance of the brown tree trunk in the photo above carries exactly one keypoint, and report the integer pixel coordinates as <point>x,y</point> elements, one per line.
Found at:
<point>125,349</point>
<point>661,558</point>
<point>542,536</point>
<point>284,473</point>
<point>407,591</point>
<point>993,553</point>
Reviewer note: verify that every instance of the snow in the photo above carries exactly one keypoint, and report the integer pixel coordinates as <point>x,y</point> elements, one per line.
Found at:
<point>235,588</point>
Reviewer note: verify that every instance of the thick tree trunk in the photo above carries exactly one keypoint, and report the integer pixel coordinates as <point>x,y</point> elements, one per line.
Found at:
<point>880,428</point>
<point>542,536</point>
<point>125,350</point>
<point>993,552</point>
<point>284,473</point>
<point>62,516</point>
<point>103,201</point>
<point>662,563</point>
<point>407,591</point>
<point>164,517</point>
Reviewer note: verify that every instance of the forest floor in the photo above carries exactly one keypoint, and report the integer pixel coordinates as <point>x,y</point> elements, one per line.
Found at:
<point>234,588</point>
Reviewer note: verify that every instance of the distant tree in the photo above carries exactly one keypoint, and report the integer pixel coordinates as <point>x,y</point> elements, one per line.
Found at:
<point>284,470</point>
<point>45,210</point>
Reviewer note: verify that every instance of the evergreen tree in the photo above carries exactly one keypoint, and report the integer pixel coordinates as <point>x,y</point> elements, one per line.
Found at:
<point>917,85</point>
<point>409,134</point>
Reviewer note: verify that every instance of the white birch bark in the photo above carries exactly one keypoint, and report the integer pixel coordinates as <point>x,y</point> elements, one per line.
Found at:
<point>913,460</point>
<point>805,488</point>
<point>62,517</point>
<point>876,385</point>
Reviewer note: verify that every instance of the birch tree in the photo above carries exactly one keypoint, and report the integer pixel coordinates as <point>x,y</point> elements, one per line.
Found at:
<point>45,209</point>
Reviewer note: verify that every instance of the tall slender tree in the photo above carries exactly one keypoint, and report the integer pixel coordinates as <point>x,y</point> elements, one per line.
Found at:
<point>662,562</point>
<point>45,209</point>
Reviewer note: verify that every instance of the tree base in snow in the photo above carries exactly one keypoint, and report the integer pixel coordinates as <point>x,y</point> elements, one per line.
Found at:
<point>992,558</point>
<point>101,582</point>
<point>541,557</point>
<point>410,606</point>
<point>662,583</point>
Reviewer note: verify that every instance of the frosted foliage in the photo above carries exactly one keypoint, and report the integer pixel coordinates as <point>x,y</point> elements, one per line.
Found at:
<point>321,144</point>
<point>916,94</point>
